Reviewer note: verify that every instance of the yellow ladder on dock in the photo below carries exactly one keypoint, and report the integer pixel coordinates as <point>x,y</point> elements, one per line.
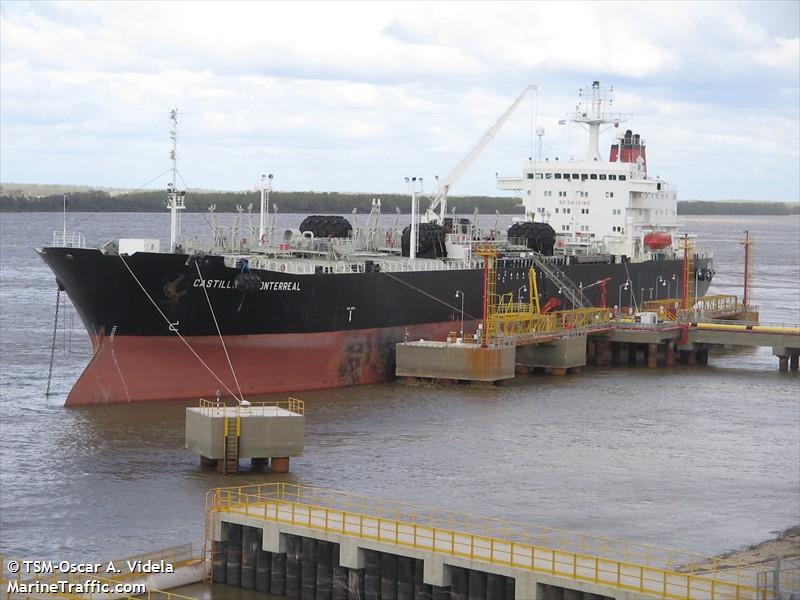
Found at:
<point>232,429</point>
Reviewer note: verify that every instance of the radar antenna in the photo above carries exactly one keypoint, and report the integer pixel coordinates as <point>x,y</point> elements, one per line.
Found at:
<point>591,110</point>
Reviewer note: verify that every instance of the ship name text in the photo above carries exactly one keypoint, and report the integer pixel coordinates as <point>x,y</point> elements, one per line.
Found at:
<point>265,286</point>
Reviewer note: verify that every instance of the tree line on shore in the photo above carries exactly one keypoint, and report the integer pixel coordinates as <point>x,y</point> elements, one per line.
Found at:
<point>324,202</point>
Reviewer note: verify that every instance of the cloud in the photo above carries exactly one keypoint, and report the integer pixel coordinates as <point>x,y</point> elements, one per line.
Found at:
<point>355,96</point>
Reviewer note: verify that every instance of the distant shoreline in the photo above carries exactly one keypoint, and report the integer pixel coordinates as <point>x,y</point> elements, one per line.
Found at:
<point>14,198</point>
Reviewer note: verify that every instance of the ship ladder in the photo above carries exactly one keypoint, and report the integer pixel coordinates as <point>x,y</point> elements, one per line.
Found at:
<point>564,283</point>
<point>232,429</point>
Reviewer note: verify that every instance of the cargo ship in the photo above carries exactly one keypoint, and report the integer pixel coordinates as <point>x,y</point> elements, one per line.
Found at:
<point>262,310</point>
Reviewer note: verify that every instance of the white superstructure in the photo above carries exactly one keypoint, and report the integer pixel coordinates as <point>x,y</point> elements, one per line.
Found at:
<point>597,205</point>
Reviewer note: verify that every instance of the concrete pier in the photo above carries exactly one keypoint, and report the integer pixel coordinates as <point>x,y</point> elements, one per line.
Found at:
<point>398,552</point>
<point>559,355</point>
<point>568,349</point>
<point>455,361</point>
<point>222,434</point>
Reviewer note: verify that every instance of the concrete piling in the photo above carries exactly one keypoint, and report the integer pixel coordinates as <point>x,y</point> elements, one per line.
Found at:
<point>356,583</point>
<point>251,541</point>
<point>263,568</point>
<point>783,363</point>
<point>340,583</point>
<point>233,538</point>
<point>308,568</point>
<point>277,574</point>
<point>421,589</point>
<point>459,582</point>
<point>632,352</point>
<point>324,570</point>
<point>794,362</point>
<point>669,353</point>
<point>405,578</point>
<point>510,588</point>
<point>293,551</point>
<point>495,587</point>
<point>372,575</point>
<point>440,592</point>
<point>279,464</point>
<point>208,463</point>
<point>477,585</point>
<point>219,562</point>
<point>652,356</point>
<point>259,465</point>
<point>388,576</point>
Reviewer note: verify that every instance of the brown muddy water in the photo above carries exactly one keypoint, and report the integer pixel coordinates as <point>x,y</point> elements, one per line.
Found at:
<point>703,459</point>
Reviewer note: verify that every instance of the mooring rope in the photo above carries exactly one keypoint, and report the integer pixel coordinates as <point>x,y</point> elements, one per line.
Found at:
<point>175,330</point>
<point>219,333</point>
<point>53,344</point>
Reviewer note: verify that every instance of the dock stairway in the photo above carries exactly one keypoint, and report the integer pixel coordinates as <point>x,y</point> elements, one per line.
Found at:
<point>558,277</point>
<point>232,429</point>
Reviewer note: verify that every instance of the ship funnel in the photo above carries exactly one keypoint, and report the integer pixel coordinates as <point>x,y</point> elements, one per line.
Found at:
<point>630,149</point>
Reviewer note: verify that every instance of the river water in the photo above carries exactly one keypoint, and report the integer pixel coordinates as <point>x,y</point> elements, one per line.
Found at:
<point>701,459</point>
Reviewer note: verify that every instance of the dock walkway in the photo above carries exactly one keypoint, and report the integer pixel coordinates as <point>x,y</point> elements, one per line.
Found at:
<point>391,549</point>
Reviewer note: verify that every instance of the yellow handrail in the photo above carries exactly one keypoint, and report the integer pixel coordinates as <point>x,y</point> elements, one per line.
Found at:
<point>293,405</point>
<point>535,548</point>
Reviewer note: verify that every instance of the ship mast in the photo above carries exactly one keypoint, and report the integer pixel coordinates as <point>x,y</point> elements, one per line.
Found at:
<point>591,110</point>
<point>266,188</point>
<point>175,199</point>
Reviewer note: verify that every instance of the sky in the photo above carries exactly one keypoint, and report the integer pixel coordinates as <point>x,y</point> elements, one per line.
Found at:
<point>354,97</point>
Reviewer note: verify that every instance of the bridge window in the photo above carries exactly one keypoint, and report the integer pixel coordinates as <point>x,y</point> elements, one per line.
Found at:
<point>557,175</point>
<point>548,175</point>
<point>556,210</point>
<point>530,175</point>
<point>584,176</point>
<point>622,177</point>
<point>576,176</point>
<point>539,176</point>
<point>593,176</point>
<point>612,177</point>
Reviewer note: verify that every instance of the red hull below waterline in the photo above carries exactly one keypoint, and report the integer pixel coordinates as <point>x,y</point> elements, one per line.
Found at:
<point>150,368</point>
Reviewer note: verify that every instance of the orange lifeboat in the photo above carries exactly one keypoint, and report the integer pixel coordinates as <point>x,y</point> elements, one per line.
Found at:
<point>657,240</point>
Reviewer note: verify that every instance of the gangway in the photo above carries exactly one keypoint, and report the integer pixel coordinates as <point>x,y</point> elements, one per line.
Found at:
<point>564,283</point>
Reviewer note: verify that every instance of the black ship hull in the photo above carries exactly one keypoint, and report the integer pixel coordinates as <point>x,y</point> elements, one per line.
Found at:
<point>155,320</point>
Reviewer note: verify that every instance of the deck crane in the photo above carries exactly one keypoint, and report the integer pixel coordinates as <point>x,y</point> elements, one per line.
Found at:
<point>440,199</point>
